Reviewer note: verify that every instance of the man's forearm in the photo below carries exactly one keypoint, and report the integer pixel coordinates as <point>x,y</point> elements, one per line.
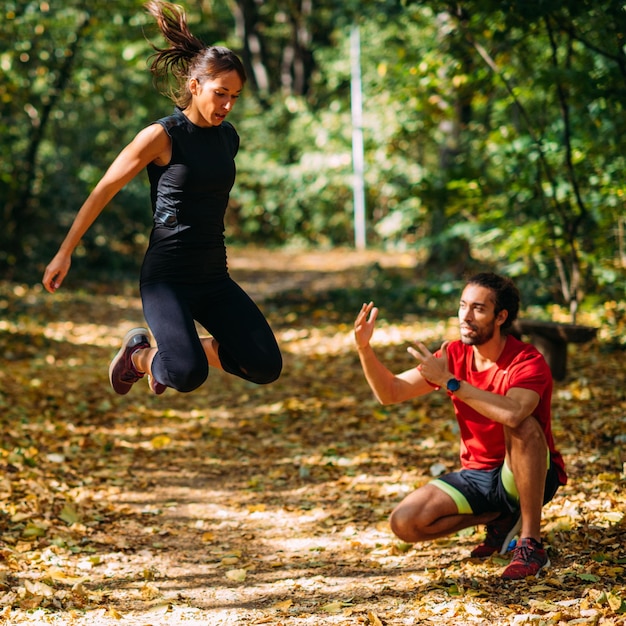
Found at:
<point>510,410</point>
<point>390,388</point>
<point>378,377</point>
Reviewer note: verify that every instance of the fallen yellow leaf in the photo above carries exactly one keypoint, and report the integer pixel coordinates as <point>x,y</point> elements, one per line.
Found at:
<point>160,441</point>
<point>283,606</point>
<point>332,607</point>
<point>236,575</point>
<point>150,591</point>
<point>36,588</point>
<point>69,514</point>
<point>373,619</point>
<point>59,575</point>
<point>615,601</point>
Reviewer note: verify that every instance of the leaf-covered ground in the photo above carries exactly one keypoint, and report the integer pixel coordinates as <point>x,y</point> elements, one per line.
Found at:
<point>239,504</point>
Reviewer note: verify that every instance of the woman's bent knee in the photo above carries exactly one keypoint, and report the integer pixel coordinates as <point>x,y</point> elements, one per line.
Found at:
<point>186,380</point>
<point>262,373</point>
<point>266,376</point>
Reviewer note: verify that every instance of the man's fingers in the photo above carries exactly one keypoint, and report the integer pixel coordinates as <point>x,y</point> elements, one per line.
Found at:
<point>444,351</point>
<point>367,309</point>
<point>424,351</point>
<point>413,352</point>
<point>362,319</point>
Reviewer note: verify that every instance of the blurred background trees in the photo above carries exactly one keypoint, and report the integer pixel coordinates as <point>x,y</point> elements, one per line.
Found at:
<point>494,132</point>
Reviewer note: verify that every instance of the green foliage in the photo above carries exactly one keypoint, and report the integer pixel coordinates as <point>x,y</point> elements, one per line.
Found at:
<point>54,160</point>
<point>494,135</point>
<point>530,163</point>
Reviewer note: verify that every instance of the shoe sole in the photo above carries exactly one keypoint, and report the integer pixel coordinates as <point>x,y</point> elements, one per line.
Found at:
<point>510,535</point>
<point>127,337</point>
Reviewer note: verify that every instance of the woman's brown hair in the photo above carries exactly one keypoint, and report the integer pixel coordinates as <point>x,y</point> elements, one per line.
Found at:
<point>187,56</point>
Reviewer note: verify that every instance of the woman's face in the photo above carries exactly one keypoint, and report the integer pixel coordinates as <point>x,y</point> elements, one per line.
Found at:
<point>213,98</point>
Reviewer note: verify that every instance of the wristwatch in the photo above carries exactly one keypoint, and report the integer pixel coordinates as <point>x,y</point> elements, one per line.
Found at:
<point>453,385</point>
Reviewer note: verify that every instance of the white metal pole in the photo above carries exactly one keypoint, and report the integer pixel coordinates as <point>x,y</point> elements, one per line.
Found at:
<point>357,139</point>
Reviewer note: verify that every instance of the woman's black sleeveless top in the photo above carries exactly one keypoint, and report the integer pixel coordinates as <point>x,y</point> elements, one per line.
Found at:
<point>189,199</point>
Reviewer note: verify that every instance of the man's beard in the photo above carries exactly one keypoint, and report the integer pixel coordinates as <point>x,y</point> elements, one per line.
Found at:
<point>480,336</point>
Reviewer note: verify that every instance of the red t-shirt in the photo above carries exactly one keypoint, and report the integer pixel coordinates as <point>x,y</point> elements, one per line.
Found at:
<point>520,365</point>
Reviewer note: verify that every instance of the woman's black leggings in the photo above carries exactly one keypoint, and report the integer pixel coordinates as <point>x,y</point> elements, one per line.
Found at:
<point>247,346</point>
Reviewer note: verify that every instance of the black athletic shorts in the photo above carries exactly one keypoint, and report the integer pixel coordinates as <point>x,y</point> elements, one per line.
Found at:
<point>486,491</point>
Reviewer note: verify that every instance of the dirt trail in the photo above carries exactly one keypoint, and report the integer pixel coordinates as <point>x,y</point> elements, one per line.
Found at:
<point>239,504</point>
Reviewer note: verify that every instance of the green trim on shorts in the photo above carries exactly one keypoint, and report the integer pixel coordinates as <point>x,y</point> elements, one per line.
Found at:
<point>508,480</point>
<point>459,499</point>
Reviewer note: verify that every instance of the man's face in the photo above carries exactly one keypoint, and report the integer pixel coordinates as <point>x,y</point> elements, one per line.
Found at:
<point>477,319</point>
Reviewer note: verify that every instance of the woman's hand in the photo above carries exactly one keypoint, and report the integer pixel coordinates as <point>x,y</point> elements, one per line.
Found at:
<point>56,271</point>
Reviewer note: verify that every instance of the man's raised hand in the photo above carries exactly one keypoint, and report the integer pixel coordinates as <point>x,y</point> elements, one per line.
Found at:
<point>433,369</point>
<point>364,325</point>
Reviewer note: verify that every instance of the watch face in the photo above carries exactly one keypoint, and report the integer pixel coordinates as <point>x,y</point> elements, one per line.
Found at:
<point>453,384</point>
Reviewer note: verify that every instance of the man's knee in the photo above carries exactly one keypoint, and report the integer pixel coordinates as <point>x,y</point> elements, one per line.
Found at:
<point>528,435</point>
<point>411,519</point>
<point>402,523</point>
<point>424,515</point>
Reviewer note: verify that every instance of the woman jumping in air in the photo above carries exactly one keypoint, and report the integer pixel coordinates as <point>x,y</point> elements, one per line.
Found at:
<point>189,156</point>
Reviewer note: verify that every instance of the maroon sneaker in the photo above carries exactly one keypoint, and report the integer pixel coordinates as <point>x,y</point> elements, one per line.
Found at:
<point>122,373</point>
<point>500,532</point>
<point>529,558</point>
<point>156,387</point>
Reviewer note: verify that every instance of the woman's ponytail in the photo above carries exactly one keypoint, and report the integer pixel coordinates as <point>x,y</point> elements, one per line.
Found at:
<point>185,55</point>
<point>176,59</point>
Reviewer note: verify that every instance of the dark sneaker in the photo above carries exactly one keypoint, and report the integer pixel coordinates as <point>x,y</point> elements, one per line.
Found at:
<point>156,387</point>
<point>500,532</point>
<point>122,373</point>
<point>529,558</point>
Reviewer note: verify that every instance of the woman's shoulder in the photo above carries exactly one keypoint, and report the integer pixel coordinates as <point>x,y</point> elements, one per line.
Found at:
<point>171,121</point>
<point>228,127</point>
<point>231,134</point>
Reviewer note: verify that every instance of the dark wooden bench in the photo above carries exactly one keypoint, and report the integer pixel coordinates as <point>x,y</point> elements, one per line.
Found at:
<point>551,339</point>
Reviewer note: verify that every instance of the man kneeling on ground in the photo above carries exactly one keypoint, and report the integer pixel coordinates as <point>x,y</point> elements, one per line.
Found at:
<point>501,391</point>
